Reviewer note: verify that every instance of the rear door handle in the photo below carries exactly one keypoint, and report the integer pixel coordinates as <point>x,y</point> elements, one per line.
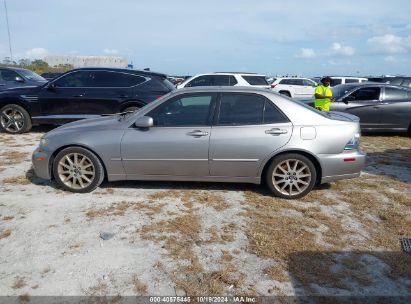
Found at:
<point>197,133</point>
<point>123,96</point>
<point>79,95</point>
<point>276,131</point>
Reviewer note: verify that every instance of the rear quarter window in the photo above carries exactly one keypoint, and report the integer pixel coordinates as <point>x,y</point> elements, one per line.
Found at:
<point>256,80</point>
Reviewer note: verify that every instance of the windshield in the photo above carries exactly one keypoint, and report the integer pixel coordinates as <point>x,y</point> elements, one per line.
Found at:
<point>31,75</point>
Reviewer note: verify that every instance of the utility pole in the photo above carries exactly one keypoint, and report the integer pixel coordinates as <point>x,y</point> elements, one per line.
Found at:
<point>8,30</point>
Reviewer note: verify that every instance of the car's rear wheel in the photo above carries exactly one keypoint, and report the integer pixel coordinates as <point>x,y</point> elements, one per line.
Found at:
<point>131,109</point>
<point>14,119</point>
<point>78,170</point>
<point>291,176</point>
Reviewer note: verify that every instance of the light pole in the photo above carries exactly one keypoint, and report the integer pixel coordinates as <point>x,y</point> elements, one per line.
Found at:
<point>8,30</point>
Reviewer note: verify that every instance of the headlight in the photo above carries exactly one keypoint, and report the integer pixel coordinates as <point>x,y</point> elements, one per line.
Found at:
<point>354,142</point>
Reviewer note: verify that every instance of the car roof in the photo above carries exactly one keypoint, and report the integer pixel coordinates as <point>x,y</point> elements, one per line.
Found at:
<point>137,72</point>
<point>369,84</point>
<point>242,89</point>
<point>229,73</point>
<point>15,68</point>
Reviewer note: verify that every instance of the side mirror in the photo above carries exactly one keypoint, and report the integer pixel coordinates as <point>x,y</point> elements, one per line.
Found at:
<point>347,99</point>
<point>51,87</point>
<point>19,79</point>
<point>144,122</point>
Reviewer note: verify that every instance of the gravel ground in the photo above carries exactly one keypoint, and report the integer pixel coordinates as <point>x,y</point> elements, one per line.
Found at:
<point>204,239</point>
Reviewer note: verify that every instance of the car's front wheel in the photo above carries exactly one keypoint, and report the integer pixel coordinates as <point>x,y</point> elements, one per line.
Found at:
<point>78,170</point>
<point>291,176</point>
<point>14,119</point>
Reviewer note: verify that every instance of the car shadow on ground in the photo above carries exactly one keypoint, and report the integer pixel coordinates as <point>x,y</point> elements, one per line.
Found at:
<point>351,276</point>
<point>261,189</point>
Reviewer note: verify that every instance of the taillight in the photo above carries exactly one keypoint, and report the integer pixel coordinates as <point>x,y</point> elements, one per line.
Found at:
<point>354,142</point>
<point>273,86</point>
<point>159,96</point>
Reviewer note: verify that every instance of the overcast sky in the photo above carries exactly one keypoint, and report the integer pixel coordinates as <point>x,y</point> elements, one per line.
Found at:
<point>188,37</point>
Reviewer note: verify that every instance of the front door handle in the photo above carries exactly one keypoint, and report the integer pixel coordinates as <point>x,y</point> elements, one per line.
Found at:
<point>276,131</point>
<point>197,133</point>
<point>79,95</point>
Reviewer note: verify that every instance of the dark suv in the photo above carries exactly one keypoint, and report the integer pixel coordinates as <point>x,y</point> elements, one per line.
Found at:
<point>11,77</point>
<point>78,94</point>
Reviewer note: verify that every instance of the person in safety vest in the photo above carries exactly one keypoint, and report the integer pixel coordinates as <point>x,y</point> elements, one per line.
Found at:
<point>323,95</point>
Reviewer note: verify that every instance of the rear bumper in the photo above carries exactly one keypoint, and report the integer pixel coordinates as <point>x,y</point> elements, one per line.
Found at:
<point>41,163</point>
<point>342,166</point>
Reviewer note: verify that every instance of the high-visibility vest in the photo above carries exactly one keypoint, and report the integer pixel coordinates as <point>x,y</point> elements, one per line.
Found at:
<point>324,104</point>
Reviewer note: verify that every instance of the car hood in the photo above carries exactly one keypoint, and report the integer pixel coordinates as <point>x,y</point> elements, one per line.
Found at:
<point>111,122</point>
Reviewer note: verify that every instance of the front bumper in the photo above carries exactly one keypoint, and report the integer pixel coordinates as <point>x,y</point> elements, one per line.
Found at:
<point>42,163</point>
<point>342,166</point>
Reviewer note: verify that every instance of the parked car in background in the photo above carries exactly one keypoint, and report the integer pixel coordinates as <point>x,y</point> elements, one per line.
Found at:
<point>395,80</point>
<point>226,79</point>
<point>336,80</point>
<point>11,77</point>
<point>380,107</point>
<point>216,134</point>
<point>50,75</point>
<point>294,87</point>
<point>79,94</point>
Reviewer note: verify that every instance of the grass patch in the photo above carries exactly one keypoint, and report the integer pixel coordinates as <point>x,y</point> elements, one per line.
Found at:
<point>120,209</point>
<point>19,283</point>
<point>6,233</point>
<point>16,180</point>
<point>139,286</point>
<point>13,157</point>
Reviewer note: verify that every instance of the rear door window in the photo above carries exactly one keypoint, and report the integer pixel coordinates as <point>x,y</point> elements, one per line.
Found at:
<point>272,115</point>
<point>220,80</point>
<point>240,109</point>
<point>352,80</point>
<point>397,94</point>
<point>101,79</point>
<point>232,80</point>
<point>255,80</point>
<point>335,81</point>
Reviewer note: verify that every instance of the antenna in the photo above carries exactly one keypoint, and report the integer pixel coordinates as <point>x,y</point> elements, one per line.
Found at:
<point>8,30</point>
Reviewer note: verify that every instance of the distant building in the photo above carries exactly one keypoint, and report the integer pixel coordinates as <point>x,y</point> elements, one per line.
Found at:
<point>87,61</point>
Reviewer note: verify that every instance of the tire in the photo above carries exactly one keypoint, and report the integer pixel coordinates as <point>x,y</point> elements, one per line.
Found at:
<point>14,119</point>
<point>80,174</point>
<point>285,93</point>
<point>290,182</point>
<point>131,109</point>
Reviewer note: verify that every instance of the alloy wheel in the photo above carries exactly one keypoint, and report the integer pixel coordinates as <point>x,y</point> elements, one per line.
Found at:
<point>12,120</point>
<point>76,171</point>
<point>291,177</point>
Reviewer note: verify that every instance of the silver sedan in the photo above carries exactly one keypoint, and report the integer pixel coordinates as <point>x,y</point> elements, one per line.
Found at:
<point>223,134</point>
